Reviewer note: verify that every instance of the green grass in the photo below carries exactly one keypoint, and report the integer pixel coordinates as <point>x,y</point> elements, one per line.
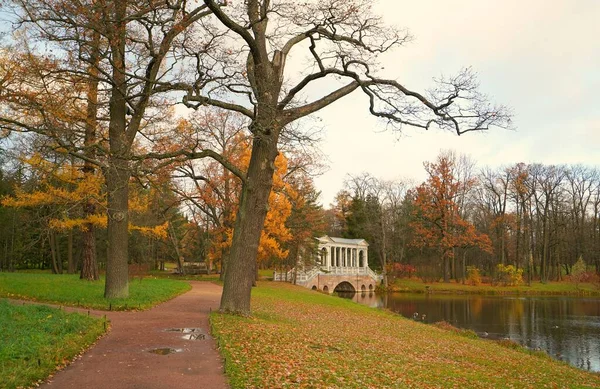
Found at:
<point>35,339</point>
<point>70,290</point>
<point>301,338</point>
<point>537,288</point>
<point>265,274</point>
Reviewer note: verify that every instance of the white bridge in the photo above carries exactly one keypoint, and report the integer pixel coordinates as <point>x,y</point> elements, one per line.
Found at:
<point>342,266</point>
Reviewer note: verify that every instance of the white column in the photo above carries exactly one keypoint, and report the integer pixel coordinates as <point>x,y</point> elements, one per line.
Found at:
<point>331,258</point>
<point>335,256</point>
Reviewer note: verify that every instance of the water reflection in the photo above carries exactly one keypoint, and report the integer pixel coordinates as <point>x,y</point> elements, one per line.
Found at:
<point>568,328</point>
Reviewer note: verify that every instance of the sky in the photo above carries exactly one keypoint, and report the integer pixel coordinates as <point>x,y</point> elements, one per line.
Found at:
<point>540,58</point>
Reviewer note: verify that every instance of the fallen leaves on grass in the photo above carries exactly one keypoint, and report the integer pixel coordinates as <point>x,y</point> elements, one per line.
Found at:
<point>298,338</point>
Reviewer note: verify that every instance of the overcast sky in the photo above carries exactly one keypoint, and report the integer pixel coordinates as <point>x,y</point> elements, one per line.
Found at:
<point>541,58</point>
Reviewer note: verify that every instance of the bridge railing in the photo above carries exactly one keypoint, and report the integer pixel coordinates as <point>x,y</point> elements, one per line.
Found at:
<point>361,271</point>
<point>301,275</point>
<point>306,276</point>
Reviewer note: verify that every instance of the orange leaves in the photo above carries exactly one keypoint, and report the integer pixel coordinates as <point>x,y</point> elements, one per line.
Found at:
<point>438,223</point>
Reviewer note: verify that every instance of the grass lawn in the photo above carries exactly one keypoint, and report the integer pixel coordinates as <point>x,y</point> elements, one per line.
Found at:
<point>63,289</point>
<point>537,288</point>
<point>302,338</point>
<point>35,339</point>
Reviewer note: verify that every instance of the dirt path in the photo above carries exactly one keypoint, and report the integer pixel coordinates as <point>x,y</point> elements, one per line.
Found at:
<point>122,358</point>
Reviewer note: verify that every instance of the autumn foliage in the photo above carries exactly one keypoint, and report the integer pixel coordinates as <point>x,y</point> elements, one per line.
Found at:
<point>217,194</point>
<point>437,221</point>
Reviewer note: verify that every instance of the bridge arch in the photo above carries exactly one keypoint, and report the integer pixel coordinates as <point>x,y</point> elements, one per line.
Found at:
<point>325,289</point>
<point>344,286</point>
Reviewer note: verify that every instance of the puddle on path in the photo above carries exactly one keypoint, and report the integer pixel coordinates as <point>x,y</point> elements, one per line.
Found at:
<point>165,350</point>
<point>189,333</point>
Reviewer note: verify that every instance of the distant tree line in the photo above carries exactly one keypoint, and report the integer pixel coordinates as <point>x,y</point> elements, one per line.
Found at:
<point>538,218</point>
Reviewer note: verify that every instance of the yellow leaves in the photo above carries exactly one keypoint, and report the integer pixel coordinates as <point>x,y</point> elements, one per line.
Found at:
<point>82,223</point>
<point>65,189</point>
<point>159,231</point>
<point>138,201</point>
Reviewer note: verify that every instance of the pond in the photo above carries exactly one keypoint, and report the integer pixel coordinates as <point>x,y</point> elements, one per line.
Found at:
<point>567,328</point>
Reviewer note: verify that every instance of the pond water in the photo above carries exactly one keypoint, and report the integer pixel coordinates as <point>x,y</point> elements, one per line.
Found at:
<point>567,328</point>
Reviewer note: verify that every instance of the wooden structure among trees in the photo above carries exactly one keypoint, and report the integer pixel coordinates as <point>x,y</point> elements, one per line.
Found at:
<point>341,265</point>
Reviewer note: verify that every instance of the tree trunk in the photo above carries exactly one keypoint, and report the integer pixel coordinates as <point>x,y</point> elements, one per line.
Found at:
<point>224,261</point>
<point>118,172</point>
<point>545,252</point>
<point>239,273</point>
<point>175,243</point>
<point>72,269</point>
<point>59,262</point>
<point>89,266</point>
<point>446,267</point>
<point>52,252</point>
<point>117,276</point>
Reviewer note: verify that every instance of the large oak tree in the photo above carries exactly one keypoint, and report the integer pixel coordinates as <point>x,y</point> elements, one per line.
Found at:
<point>341,41</point>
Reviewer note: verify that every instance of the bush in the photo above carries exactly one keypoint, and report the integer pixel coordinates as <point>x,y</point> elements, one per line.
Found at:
<point>400,270</point>
<point>579,274</point>
<point>473,276</point>
<point>403,270</point>
<point>508,275</point>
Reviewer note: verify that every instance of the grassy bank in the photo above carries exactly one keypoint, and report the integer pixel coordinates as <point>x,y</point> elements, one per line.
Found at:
<point>301,338</point>
<point>536,288</point>
<point>34,340</point>
<point>63,289</point>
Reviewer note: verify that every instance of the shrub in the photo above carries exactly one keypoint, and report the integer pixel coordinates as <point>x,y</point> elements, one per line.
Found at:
<point>400,270</point>
<point>473,276</point>
<point>508,275</point>
<point>579,273</point>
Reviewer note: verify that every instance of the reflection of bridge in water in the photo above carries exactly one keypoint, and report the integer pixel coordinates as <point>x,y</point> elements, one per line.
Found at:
<point>341,266</point>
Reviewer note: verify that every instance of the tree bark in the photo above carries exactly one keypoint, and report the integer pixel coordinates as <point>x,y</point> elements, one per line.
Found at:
<point>89,266</point>
<point>70,257</point>
<point>53,252</point>
<point>446,268</point>
<point>175,243</point>
<point>117,277</point>
<point>251,214</point>
<point>118,172</point>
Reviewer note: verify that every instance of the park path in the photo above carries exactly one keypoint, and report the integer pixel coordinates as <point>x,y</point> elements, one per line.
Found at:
<point>121,359</point>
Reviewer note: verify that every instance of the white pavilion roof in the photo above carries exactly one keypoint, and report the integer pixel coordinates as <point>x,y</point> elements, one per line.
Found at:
<point>333,239</point>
